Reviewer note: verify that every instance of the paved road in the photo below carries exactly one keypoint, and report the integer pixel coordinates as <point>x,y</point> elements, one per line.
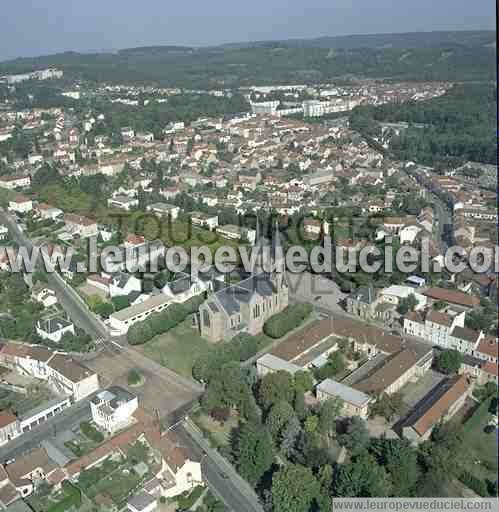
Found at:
<point>66,420</point>
<point>70,300</point>
<point>222,478</point>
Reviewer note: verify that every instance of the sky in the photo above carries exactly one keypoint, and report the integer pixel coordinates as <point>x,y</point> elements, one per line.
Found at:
<point>41,27</point>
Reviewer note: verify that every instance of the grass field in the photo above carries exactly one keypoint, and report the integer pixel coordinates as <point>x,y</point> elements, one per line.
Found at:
<point>218,433</point>
<point>482,446</point>
<point>178,349</point>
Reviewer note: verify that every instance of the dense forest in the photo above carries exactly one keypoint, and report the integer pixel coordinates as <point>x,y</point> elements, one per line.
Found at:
<point>458,126</point>
<point>231,67</point>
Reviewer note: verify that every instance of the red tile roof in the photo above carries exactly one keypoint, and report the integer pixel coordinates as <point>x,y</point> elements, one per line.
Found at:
<point>489,346</point>
<point>452,296</point>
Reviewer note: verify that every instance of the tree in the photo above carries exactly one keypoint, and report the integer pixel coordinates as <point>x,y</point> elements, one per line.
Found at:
<point>450,361</point>
<point>400,460</point>
<point>290,437</point>
<point>279,416</point>
<point>328,413</point>
<point>105,309</point>
<point>304,381</point>
<point>275,387</point>
<point>362,477</point>
<point>356,436</point>
<point>407,304</point>
<point>334,366</point>
<point>388,406</point>
<point>120,302</point>
<point>294,489</point>
<point>311,424</point>
<point>255,453</point>
<point>300,406</point>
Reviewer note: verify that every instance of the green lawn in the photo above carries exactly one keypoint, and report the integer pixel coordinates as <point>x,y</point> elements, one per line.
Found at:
<point>481,446</point>
<point>178,349</point>
<point>218,433</point>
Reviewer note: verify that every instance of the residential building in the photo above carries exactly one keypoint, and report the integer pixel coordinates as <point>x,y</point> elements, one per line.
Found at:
<point>453,297</point>
<point>164,210</point>
<point>438,406</point>
<point>362,302</point>
<point>14,182</point>
<point>395,372</point>
<point>113,408</point>
<point>121,321</point>
<point>355,403</point>
<point>434,326</point>
<point>204,220</point>
<point>43,294</point>
<point>21,204</point>
<point>142,502</point>
<point>123,202</point>
<point>77,225</point>
<point>9,427</point>
<point>53,329</point>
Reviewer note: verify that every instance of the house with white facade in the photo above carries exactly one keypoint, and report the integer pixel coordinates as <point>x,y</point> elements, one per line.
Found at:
<point>113,408</point>
<point>43,294</point>
<point>53,329</point>
<point>123,202</point>
<point>204,220</point>
<point>21,204</point>
<point>434,326</point>
<point>77,225</point>
<point>164,210</point>
<point>13,182</point>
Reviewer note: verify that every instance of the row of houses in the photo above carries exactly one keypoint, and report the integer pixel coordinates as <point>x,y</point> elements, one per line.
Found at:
<point>66,377</point>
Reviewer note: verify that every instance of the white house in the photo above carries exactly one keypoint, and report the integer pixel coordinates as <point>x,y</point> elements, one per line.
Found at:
<point>113,408</point>
<point>408,234</point>
<point>44,295</point>
<point>21,204</point>
<point>395,293</point>
<point>164,209</point>
<point>67,376</point>
<point>54,329</point>
<point>81,226</point>
<point>13,182</point>
<point>4,232</point>
<point>124,284</point>
<point>49,212</point>
<point>204,220</point>
<point>435,327</point>
<point>123,202</point>
<point>185,287</point>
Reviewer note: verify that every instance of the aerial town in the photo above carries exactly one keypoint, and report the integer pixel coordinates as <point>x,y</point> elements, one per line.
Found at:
<point>145,387</point>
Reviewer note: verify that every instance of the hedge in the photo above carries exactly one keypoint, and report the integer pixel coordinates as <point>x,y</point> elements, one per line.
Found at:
<point>71,499</point>
<point>91,432</point>
<point>290,318</point>
<point>240,348</point>
<point>160,323</point>
<point>187,501</point>
<point>475,484</point>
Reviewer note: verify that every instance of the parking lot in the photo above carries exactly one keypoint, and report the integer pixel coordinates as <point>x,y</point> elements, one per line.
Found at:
<point>156,394</point>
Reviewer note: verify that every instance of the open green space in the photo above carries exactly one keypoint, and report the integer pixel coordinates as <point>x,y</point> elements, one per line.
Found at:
<point>178,348</point>
<point>481,446</point>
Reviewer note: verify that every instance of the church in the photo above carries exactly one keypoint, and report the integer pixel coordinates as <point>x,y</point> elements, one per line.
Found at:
<point>245,306</point>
